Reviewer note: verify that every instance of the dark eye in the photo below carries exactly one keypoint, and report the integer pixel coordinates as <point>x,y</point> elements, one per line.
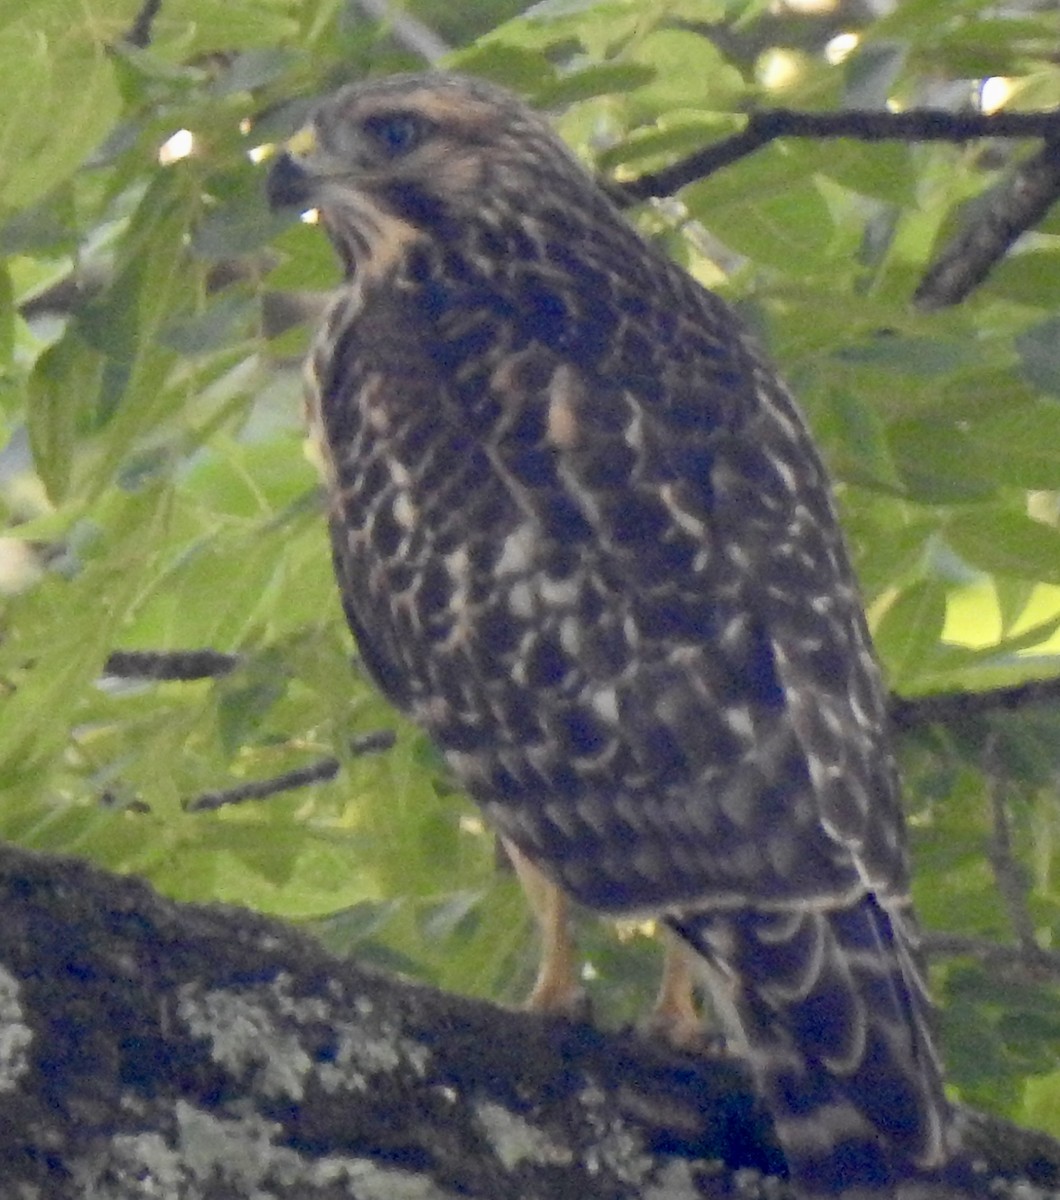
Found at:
<point>396,133</point>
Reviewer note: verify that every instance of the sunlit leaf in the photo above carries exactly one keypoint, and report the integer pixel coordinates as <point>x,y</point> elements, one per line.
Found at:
<point>1008,543</point>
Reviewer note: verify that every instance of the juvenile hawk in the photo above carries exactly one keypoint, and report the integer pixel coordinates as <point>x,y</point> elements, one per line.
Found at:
<point>584,539</point>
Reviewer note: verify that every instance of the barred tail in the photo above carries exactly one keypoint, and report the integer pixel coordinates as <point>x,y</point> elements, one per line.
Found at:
<point>831,1010</point>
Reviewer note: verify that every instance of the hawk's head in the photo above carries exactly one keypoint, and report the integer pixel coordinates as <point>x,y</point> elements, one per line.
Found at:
<point>388,161</point>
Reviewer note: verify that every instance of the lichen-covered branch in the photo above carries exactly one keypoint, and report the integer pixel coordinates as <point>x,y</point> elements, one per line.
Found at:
<point>152,1049</point>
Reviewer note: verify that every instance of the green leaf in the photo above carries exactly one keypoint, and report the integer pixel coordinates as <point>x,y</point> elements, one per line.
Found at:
<point>908,635</point>
<point>1041,1103</point>
<point>687,71</point>
<point>242,705</point>
<point>1030,277</point>
<point>873,71</point>
<point>230,318</point>
<point>253,69</point>
<point>1039,350</point>
<point>206,28</point>
<point>7,316</point>
<point>992,47</point>
<point>240,221</point>
<point>767,207</point>
<point>62,388</point>
<point>856,439</point>
<point>939,462</point>
<point>46,226</point>
<point>61,101</point>
<point>1006,542</point>
<point>65,632</point>
<point>673,134</point>
<point>883,169</point>
<point>523,69</point>
<point>927,356</point>
<point>597,80</point>
<point>1022,443</point>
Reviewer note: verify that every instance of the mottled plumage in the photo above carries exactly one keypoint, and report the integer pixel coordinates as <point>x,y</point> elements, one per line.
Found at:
<point>584,539</point>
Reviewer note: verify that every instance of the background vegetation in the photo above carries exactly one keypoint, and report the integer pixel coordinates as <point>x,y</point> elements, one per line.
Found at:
<point>156,495</point>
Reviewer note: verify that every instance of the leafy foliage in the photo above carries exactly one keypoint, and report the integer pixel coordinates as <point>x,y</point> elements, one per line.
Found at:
<point>156,494</point>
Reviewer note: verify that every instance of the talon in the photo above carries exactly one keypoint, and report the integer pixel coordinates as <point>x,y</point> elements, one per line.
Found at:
<point>675,1018</point>
<point>557,989</point>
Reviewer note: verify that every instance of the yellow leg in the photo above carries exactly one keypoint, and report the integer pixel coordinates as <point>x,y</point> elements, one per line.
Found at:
<point>557,988</point>
<point>674,1016</point>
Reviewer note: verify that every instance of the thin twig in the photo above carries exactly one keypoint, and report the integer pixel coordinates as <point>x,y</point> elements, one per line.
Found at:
<point>140,31</point>
<point>408,31</point>
<point>1032,960</point>
<point>864,125</point>
<point>319,772</point>
<point>261,789</point>
<point>176,665</point>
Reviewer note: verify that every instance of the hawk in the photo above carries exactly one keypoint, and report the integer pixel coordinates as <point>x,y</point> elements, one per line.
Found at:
<point>584,539</point>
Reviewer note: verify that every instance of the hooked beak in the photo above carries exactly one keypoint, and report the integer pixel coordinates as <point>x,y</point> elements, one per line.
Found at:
<point>290,183</point>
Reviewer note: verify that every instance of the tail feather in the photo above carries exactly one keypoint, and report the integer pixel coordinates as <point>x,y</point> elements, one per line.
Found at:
<point>832,1012</point>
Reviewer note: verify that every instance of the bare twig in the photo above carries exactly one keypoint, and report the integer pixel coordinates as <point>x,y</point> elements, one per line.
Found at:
<point>140,31</point>
<point>408,31</point>
<point>993,223</point>
<point>177,665</point>
<point>262,789</point>
<point>318,772</point>
<point>916,125</point>
<point>1032,961</point>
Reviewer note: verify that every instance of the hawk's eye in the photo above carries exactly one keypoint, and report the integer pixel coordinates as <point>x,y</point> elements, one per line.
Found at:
<point>396,133</point>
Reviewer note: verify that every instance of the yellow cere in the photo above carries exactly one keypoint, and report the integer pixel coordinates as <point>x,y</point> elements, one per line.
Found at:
<point>303,142</point>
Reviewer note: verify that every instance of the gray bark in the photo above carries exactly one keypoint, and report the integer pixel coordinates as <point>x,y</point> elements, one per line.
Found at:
<point>155,1050</point>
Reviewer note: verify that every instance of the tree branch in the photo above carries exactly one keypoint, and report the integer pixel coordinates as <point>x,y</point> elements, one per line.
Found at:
<point>993,222</point>
<point>956,708</point>
<point>181,666</point>
<point>155,1049</point>
<point>317,772</point>
<point>864,125</point>
<point>139,33</point>
<point>146,1045</point>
